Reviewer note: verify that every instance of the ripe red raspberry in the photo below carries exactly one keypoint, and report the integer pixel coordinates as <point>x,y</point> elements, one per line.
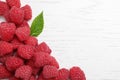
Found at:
<point>77,74</point>
<point>31,41</point>
<point>4,73</point>
<point>7,31</point>
<point>24,24</point>
<point>25,51</point>
<point>24,72</point>
<point>23,33</point>
<point>43,47</point>
<point>5,48</point>
<point>32,78</point>
<point>16,15</point>
<point>63,74</point>
<point>27,11</point>
<point>16,43</point>
<point>12,63</point>
<point>3,8</point>
<point>53,62</point>
<point>12,3</point>
<point>41,59</point>
<point>50,72</point>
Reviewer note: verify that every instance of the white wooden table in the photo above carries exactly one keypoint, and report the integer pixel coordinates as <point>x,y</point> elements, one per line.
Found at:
<point>85,33</point>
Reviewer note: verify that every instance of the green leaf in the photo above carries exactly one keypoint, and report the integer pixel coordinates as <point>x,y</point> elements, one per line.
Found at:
<point>37,25</point>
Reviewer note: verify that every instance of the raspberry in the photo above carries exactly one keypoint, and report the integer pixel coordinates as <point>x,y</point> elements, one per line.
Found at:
<point>16,15</point>
<point>41,59</point>
<point>12,3</point>
<point>43,47</point>
<point>50,72</point>
<point>24,24</point>
<point>7,31</point>
<point>25,51</point>
<point>3,8</point>
<point>5,48</point>
<point>53,62</point>
<point>77,74</point>
<point>23,33</point>
<point>63,74</point>
<point>16,43</point>
<point>4,73</point>
<point>12,63</point>
<point>24,72</point>
<point>27,11</point>
<point>31,41</point>
<point>32,78</point>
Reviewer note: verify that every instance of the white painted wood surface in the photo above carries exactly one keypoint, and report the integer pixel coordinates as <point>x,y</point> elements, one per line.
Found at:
<point>85,33</point>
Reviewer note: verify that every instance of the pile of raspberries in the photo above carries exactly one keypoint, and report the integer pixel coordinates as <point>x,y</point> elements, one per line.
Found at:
<point>21,57</point>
